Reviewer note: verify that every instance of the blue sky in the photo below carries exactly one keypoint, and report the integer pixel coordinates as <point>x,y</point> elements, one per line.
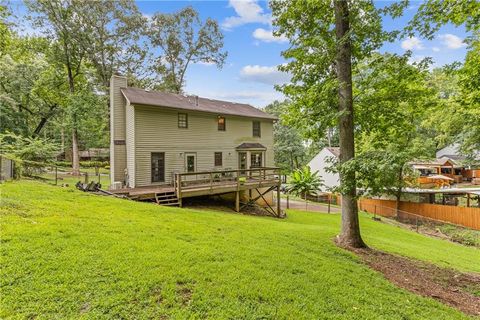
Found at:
<point>249,74</point>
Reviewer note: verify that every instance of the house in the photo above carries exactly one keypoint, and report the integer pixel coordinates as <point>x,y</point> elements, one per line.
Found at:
<point>321,162</point>
<point>94,154</point>
<point>159,137</point>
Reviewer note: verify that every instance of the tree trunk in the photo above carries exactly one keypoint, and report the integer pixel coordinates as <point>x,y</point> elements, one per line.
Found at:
<point>75,154</point>
<point>350,230</point>
<point>62,136</point>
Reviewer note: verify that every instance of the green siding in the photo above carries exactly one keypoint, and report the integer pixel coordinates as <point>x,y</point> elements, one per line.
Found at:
<point>156,130</point>
<point>118,156</point>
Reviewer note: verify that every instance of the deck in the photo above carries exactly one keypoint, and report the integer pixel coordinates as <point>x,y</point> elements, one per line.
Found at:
<point>194,184</point>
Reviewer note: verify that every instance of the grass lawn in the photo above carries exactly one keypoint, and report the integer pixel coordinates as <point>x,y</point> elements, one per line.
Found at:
<point>69,254</point>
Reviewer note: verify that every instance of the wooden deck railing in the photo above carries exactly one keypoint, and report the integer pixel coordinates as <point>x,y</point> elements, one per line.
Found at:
<point>219,178</point>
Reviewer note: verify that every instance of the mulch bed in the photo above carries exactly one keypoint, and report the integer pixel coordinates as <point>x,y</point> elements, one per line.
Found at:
<point>449,286</point>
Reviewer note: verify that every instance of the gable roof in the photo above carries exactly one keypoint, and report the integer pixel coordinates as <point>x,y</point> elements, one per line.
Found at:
<point>171,100</point>
<point>334,150</point>
<point>251,145</point>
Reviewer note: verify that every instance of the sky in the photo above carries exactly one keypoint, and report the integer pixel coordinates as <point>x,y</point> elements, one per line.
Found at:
<point>250,71</point>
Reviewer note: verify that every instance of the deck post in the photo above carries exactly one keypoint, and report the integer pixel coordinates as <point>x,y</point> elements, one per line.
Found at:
<point>278,200</point>
<point>179,189</point>
<point>237,201</point>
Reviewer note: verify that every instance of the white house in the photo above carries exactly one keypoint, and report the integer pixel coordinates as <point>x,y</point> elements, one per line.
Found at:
<point>321,162</point>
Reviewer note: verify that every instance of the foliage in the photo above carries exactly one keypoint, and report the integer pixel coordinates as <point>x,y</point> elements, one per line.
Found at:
<point>27,152</point>
<point>84,164</point>
<point>304,182</point>
<point>392,100</point>
<point>432,15</point>
<point>288,145</point>
<point>461,235</point>
<point>182,40</point>
<point>187,263</point>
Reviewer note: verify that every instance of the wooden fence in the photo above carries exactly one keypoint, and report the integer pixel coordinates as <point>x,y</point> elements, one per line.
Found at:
<point>463,216</point>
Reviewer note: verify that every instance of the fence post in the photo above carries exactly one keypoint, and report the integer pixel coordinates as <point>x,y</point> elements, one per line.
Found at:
<point>56,175</point>
<point>288,201</point>
<point>375,211</point>
<point>329,200</point>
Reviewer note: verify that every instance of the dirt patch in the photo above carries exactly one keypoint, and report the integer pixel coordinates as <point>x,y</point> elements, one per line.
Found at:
<point>456,289</point>
<point>184,293</point>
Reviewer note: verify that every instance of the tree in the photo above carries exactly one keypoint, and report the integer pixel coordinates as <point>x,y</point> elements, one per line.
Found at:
<point>27,151</point>
<point>326,37</point>
<point>304,182</point>
<point>393,99</point>
<point>289,147</point>
<point>63,26</point>
<point>430,16</point>
<point>114,44</point>
<point>88,34</point>
<point>29,85</point>
<point>182,40</point>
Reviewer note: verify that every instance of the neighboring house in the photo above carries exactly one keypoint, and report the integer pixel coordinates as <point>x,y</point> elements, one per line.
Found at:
<point>156,134</point>
<point>321,162</point>
<point>94,154</point>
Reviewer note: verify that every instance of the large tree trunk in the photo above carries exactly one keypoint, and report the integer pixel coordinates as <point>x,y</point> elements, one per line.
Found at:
<point>350,230</point>
<point>75,153</point>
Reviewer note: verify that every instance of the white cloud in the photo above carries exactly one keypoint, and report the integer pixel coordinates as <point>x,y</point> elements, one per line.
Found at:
<point>436,49</point>
<point>263,74</point>
<point>207,64</point>
<point>255,98</point>
<point>415,59</point>
<point>452,41</point>
<point>248,11</point>
<point>412,43</point>
<point>267,36</point>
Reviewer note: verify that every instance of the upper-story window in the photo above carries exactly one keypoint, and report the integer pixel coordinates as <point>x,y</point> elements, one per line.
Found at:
<point>183,120</point>
<point>257,132</point>
<point>221,123</point>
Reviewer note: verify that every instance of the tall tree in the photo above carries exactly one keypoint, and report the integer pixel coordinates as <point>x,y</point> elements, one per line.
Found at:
<point>289,146</point>
<point>102,34</point>
<point>62,24</point>
<point>430,16</point>
<point>326,38</point>
<point>114,44</point>
<point>182,40</point>
<point>393,99</point>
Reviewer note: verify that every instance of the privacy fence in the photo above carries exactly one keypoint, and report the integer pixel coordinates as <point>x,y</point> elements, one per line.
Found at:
<point>412,211</point>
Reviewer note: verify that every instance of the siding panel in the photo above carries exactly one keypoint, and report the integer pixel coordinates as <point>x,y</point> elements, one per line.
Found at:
<point>157,130</point>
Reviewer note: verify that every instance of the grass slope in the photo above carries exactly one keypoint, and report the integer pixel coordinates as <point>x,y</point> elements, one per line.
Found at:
<point>68,254</point>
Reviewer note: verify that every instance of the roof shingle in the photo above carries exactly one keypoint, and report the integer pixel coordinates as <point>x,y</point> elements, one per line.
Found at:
<point>170,100</point>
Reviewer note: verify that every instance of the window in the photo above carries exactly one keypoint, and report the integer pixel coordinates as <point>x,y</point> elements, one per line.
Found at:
<point>191,161</point>
<point>158,167</point>
<point>221,123</point>
<point>256,129</point>
<point>182,120</point>
<point>218,159</point>
<point>255,160</point>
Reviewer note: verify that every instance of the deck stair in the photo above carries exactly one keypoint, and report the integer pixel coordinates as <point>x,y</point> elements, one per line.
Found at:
<point>168,198</point>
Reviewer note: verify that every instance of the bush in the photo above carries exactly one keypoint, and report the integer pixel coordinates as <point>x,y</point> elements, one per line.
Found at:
<point>84,164</point>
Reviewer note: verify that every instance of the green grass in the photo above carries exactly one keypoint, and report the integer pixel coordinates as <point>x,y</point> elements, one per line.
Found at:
<point>69,254</point>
